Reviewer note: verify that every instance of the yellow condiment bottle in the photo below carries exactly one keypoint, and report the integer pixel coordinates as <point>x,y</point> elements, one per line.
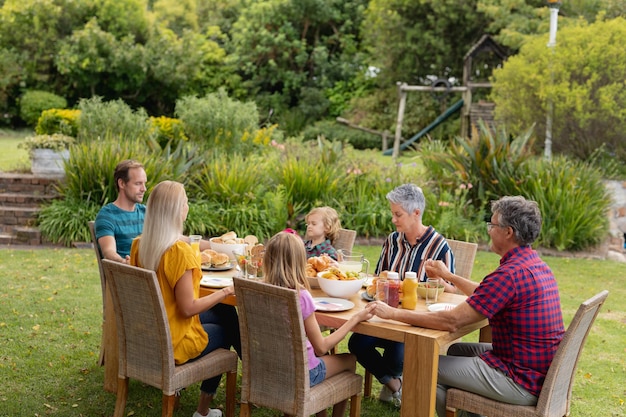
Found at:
<point>409,290</point>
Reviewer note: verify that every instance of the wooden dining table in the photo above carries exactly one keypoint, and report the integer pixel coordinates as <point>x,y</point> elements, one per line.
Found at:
<point>421,351</point>
<point>421,346</point>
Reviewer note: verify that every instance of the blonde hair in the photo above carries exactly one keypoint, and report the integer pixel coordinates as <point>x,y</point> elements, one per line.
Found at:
<point>284,261</point>
<point>163,224</point>
<point>330,218</point>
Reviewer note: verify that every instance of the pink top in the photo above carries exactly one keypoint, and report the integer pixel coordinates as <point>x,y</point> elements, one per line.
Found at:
<point>307,307</point>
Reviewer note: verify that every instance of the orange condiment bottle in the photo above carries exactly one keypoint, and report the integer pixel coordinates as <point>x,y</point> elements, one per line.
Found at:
<point>409,290</point>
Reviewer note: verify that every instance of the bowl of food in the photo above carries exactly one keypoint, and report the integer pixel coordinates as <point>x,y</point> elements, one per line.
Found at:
<point>340,285</point>
<point>218,244</point>
<point>422,288</point>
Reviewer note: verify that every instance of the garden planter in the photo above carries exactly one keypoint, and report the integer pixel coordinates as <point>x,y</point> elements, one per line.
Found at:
<point>47,162</point>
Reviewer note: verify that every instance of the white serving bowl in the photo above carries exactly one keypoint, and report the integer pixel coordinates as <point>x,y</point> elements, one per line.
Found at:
<point>228,248</point>
<point>340,288</point>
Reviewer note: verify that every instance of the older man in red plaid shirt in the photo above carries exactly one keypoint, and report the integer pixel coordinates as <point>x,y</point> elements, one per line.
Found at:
<point>520,299</point>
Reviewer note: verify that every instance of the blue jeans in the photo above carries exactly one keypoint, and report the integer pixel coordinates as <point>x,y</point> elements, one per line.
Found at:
<point>385,366</point>
<point>317,374</point>
<point>222,326</point>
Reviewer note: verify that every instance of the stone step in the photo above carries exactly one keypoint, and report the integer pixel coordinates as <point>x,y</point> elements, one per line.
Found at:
<point>24,199</point>
<point>27,236</point>
<point>12,216</point>
<point>28,183</point>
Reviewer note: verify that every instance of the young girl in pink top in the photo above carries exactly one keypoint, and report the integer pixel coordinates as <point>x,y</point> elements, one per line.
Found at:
<point>284,265</point>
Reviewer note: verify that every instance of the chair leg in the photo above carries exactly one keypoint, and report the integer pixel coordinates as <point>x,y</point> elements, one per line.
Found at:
<point>355,405</point>
<point>450,412</point>
<point>244,410</point>
<point>231,390</point>
<point>367,389</point>
<point>168,403</point>
<point>122,394</point>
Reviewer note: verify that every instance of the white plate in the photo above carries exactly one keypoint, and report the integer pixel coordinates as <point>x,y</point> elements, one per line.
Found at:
<point>366,296</point>
<point>226,267</point>
<point>441,306</point>
<point>213,282</point>
<point>332,304</point>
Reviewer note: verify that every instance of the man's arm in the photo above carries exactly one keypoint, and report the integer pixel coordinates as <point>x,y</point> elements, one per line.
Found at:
<point>108,247</point>
<point>449,320</point>
<point>437,269</point>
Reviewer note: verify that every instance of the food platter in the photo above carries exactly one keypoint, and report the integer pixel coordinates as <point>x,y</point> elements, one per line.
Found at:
<point>225,267</point>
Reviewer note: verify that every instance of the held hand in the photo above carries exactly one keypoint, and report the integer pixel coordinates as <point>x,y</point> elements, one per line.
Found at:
<point>366,313</point>
<point>435,269</point>
<point>382,310</point>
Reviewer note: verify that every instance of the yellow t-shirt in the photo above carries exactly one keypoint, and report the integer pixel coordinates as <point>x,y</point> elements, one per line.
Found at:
<point>188,336</point>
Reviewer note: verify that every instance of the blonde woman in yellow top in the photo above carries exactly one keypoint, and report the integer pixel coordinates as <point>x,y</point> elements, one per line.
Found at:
<point>198,325</point>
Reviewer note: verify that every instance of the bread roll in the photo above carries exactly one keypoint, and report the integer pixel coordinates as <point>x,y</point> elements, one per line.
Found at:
<point>205,258</point>
<point>220,259</point>
<point>229,236</point>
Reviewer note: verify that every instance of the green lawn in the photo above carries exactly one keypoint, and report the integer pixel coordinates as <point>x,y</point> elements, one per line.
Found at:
<point>12,158</point>
<point>50,316</point>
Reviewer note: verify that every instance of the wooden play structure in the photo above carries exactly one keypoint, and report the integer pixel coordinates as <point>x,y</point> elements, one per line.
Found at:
<point>489,51</point>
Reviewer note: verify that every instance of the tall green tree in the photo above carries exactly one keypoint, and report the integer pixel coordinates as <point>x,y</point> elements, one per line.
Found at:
<point>286,47</point>
<point>583,78</point>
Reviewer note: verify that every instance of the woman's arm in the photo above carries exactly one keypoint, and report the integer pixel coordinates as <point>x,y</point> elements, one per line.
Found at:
<point>186,301</point>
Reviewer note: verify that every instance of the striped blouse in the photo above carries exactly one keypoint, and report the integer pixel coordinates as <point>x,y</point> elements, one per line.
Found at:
<point>400,256</point>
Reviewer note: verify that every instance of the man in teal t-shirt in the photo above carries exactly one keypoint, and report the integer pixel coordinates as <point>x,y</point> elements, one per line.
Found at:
<point>119,222</point>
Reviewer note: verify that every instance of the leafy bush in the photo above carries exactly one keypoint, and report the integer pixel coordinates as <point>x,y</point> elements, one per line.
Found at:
<point>573,201</point>
<point>33,102</point>
<point>99,119</point>
<point>216,120</point>
<point>167,131</point>
<point>497,166</point>
<point>56,142</point>
<point>64,121</point>
<point>489,162</point>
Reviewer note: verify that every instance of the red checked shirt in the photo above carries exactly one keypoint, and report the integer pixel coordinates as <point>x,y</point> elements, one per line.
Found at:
<point>521,300</point>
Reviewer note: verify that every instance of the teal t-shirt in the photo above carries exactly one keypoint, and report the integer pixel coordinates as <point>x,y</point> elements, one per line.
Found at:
<point>123,225</point>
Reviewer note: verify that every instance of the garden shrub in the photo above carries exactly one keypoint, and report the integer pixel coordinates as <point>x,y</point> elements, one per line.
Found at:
<point>100,119</point>
<point>216,120</point>
<point>488,161</point>
<point>570,194</point>
<point>33,102</point>
<point>572,199</point>
<point>63,121</point>
<point>167,130</point>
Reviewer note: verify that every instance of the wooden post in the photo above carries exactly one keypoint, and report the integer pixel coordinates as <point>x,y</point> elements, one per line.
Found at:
<point>401,107</point>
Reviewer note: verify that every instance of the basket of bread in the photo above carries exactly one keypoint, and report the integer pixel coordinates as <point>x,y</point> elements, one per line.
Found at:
<point>315,265</point>
<point>229,243</point>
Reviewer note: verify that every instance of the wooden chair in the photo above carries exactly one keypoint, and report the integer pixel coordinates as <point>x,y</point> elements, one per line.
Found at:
<point>275,373</point>
<point>145,343</point>
<point>96,249</point>
<point>556,393</point>
<point>345,239</point>
<point>464,255</point>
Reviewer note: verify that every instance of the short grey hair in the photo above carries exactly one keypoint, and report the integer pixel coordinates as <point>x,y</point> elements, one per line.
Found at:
<point>409,196</point>
<point>520,214</point>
